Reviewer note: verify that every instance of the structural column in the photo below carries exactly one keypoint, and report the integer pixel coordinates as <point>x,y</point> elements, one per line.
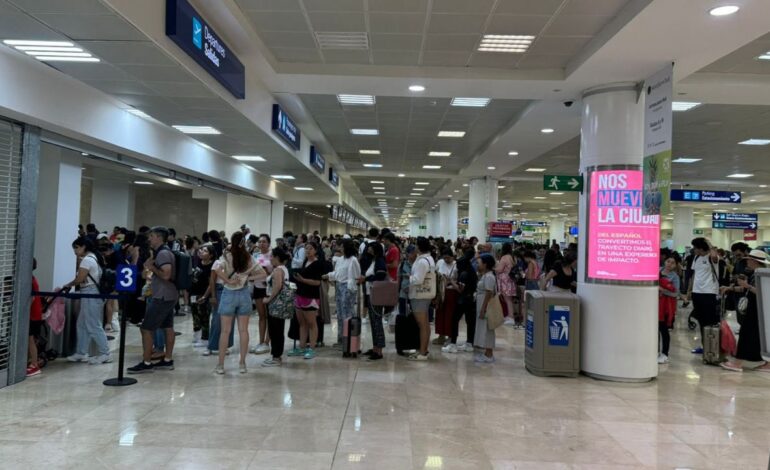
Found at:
<point>448,219</point>
<point>477,208</point>
<point>433,223</point>
<point>491,201</point>
<point>556,230</point>
<point>619,328</point>
<point>112,202</point>
<point>276,219</point>
<point>684,224</point>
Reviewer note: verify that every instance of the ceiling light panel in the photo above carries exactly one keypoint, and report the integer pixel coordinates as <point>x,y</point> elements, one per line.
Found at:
<point>301,188</point>
<point>51,51</point>
<point>440,154</point>
<point>249,158</point>
<point>207,130</point>
<point>337,40</point>
<point>357,100</point>
<point>369,152</point>
<point>755,142</point>
<point>686,160</point>
<point>510,43</point>
<point>470,102</point>
<point>535,170</point>
<point>364,132</point>
<point>282,177</point>
<point>684,105</point>
<point>372,165</point>
<point>454,134</point>
<point>740,175</point>
<point>431,167</point>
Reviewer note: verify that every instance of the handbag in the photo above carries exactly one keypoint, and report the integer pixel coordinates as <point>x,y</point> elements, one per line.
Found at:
<point>384,293</point>
<point>727,343</point>
<point>282,305</point>
<point>494,314</point>
<point>426,290</point>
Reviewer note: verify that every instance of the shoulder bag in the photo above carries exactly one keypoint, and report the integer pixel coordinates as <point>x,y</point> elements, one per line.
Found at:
<point>426,290</point>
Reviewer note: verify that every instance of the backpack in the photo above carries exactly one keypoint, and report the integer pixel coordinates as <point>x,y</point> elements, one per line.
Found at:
<point>106,284</point>
<point>183,273</point>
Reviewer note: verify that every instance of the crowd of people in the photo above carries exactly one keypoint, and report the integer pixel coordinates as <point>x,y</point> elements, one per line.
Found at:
<point>440,282</point>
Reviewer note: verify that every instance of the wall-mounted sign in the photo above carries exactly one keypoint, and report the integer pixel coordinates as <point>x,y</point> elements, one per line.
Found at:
<point>531,223</point>
<point>697,195</point>
<point>726,220</point>
<point>659,89</point>
<point>284,126</point>
<point>500,229</point>
<point>750,235</point>
<point>193,35</point>
<point>573,231</point>
<point>317,160</point>
<point>623,243</point>
<point>334,178</point>
<point>562,183</point>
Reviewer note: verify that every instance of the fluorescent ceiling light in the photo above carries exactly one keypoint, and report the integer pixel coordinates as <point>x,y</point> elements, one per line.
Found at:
<point>456,134</point>
<point>282,177</point>
<point>539,197</point>
<point>686,160</point>
<point>21,42</point>
<point>411,200</point>
<point>535,170</point>
<point>50,58</point>
<point>470,102</point>
<point>302,188</point>
<point>724,10</point>
<point>137,112</point>
<point>401,175</point>
<point>512,153</point>
<point>372,165</point>
<point>377,182</point>
<point>337,40</point>
<point>440,154</point>
<point>85,154</point>
<point>379,188</point>
<point>364,131</point>
<point>145,183</point>
<point>500,186</point>
<point>422,183</point>
<point>547,130</point>
<point>365,100</point>
<point>740,175</point>
<point>684,105</point>
<point>418,189</point>
<point>556,194</point>
<point>49,48</point>
<point>381,193</point>
<point>369,152</point>
<point>755,142</point>
<point>491,168</point>
<point>431,167</point>
<point>505,43</point>
<point>58,54</point>
<point>765,56</point>
<point>197,129</point>
<point>457,190</point>
<point>140,170</point>
<point>416,88</point>
<point>415,194</point>
<point>249,158</point>
<point>52,51</point>
<point>465,185</point>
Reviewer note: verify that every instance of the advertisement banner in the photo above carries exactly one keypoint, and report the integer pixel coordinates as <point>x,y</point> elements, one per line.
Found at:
<point>500,229</point>
<point>657,141</point>
<point>623,242</point>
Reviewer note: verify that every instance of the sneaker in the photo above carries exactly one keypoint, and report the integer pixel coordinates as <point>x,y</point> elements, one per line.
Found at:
<point>518,326</point>
<point>450,348</point>
<point>731,366</point>
<point>272,362</point>
<point>662,359</point>
<point>242,369</point>
<point>164,365</point>
<point>103,359</point>
<point>296,352</point>
<point>418,357</point>
<point>33,371</point>
<point>468,347</point>
<point>208,352</point>
<point>697,351</point>
<point>309,353</point>
<point>483,359</point>
<point>509,322</point>
<point>200,344</point>
<point>262,348</point>
<point>77,358</point>
<point>141,368</point>
<point>115,325</point>
<point>219,369</point>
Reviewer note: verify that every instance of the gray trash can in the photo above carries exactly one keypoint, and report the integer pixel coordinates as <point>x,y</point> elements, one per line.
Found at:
<point>552,338</point>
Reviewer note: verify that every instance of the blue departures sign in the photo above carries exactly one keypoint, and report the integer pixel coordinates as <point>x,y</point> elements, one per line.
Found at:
<point>724,220</point>
<point>334,178</point>
<point>285,127</point>
<point>317,160</point>
<point>190,32</point>
<point>697,195</point>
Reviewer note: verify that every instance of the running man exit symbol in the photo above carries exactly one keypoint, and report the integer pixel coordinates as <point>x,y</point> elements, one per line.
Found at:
<point>554,182</point>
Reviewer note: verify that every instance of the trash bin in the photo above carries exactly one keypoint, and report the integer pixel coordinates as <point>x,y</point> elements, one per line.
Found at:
<point>552,338</point>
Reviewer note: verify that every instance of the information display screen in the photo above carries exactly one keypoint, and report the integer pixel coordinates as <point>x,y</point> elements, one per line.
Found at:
<point>623,243</point>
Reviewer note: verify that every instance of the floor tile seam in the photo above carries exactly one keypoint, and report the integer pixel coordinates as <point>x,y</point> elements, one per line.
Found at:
<point>342,424</point>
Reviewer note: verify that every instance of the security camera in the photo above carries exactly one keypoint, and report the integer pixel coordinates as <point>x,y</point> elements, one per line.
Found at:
<point>568,103</point>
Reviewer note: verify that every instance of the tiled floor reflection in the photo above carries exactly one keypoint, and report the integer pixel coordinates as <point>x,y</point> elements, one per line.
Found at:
<point>331,413</point>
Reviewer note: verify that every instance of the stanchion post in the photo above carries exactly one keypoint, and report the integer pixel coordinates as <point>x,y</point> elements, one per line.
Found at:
<point>120,380</point>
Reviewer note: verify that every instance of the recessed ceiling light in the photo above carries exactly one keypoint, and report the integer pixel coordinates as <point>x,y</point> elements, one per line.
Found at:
<point>364,132</point>
<point>282,177</point>
<point>556,194</point>
<point>377,182</point>
<point>535,170</point>
<point>416,88</point>
<point>140,170</point>
<point>440,154</point>
<point>765,56</point>
<point>431,167</point>
<point>22,42</point>
<point>547,130</point>
<point>411,200</point>
<point>144,183</point>
<point>505,43</point>
<point>362,100</point>
<point>684,105</point>
<point>455,134</point>
<point>380,193</point>
<point>369,152</point>
<point>724,10</point>
<point>512,153</point>
<point>422,183</point>
<point>457,190</point>
<point>415,194</point>
<point>491,168</point>
<point>197,129</point>
<point>139,113</point>
<point>762,185</point>
<point>372,165</point>
<point>500,186</point>
<point>539,197</point>
<point>337,40</point>
<point>752,200</point>
<point>465,185</point>
<point>379,188</point>
<point>740,175</point>
<point>401,175</point>
<point>302,188</point>
<point>418,189</point>
<point>470,102</point>
<point>249,158</point>
<point>755,142</point>
<point>52,51</point>
<point>85,154</point>
<point>686,160</point>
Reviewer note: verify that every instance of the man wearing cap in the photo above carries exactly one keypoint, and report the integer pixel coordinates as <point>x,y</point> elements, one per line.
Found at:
<point>749,345</point>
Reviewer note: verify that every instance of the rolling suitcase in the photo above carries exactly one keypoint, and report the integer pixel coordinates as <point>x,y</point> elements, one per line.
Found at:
<point>711,350</point>
<point>407,332</point>
<point>351,334</point>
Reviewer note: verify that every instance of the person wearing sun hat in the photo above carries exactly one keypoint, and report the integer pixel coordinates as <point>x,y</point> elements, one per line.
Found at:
<point>749,347</point>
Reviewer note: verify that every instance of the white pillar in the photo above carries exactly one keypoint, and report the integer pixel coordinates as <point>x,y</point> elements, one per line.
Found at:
<point>619,338</point>
<point>433,223</point>
<point>276,219</point>
<point>683,226</point>
<point>58,212</point>
<point>477,208</point>
<point>556,231</point>
<point>491,201</point>
<point>112,202</point>
<point>448,219</point>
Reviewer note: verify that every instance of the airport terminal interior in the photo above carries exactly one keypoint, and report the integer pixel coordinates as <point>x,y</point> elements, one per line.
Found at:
<point>442,234</point>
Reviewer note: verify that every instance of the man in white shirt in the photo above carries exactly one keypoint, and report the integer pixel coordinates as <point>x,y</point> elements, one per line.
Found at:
<point>298,258</point>
<point>704,285</point>
<point>373,234</point>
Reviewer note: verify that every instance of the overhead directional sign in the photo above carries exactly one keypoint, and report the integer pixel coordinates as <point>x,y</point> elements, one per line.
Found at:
<point>562,183</point>
<point>284,126</point>
<point>698,195</point>
<point>726,220</point>
<point>530,223</point>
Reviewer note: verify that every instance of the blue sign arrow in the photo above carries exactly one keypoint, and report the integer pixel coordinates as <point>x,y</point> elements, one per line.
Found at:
<point>699,195</point>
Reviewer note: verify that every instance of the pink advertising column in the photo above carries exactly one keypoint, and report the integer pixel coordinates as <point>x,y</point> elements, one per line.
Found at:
<point>618,246</point>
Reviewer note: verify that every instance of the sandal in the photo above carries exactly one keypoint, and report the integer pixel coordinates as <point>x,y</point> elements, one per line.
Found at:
<point>730,366</point>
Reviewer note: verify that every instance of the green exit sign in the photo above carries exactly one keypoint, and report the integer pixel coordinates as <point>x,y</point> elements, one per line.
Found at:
<point>563,183</point>
<point>697,231</point>
<point>423,227</point>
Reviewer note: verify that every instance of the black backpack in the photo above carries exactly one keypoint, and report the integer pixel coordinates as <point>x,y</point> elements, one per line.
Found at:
<point>183,273</point>
<point>106,284</point>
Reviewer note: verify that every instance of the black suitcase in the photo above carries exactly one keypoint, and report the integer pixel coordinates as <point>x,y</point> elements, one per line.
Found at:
<point>407,334</point>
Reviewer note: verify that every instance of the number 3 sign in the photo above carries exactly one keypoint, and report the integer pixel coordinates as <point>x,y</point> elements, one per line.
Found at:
<point>126,275</point>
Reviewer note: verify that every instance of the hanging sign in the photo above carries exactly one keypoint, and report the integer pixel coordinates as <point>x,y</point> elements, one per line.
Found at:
<point>317,160</point>
<point>285,127</point>
<point>562,183</point>
<point>726,220</point>
<point>697,195</point>
<point>659,89</point>
<point>334,177</point>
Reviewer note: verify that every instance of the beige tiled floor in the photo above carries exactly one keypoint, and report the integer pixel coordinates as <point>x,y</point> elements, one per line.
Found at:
<point>350,414</point>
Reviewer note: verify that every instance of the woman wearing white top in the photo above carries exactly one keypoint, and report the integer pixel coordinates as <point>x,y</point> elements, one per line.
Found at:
<point>421,267</point>
<point>89,325</point>
<point>445,310</point>
<point>346,273</point>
